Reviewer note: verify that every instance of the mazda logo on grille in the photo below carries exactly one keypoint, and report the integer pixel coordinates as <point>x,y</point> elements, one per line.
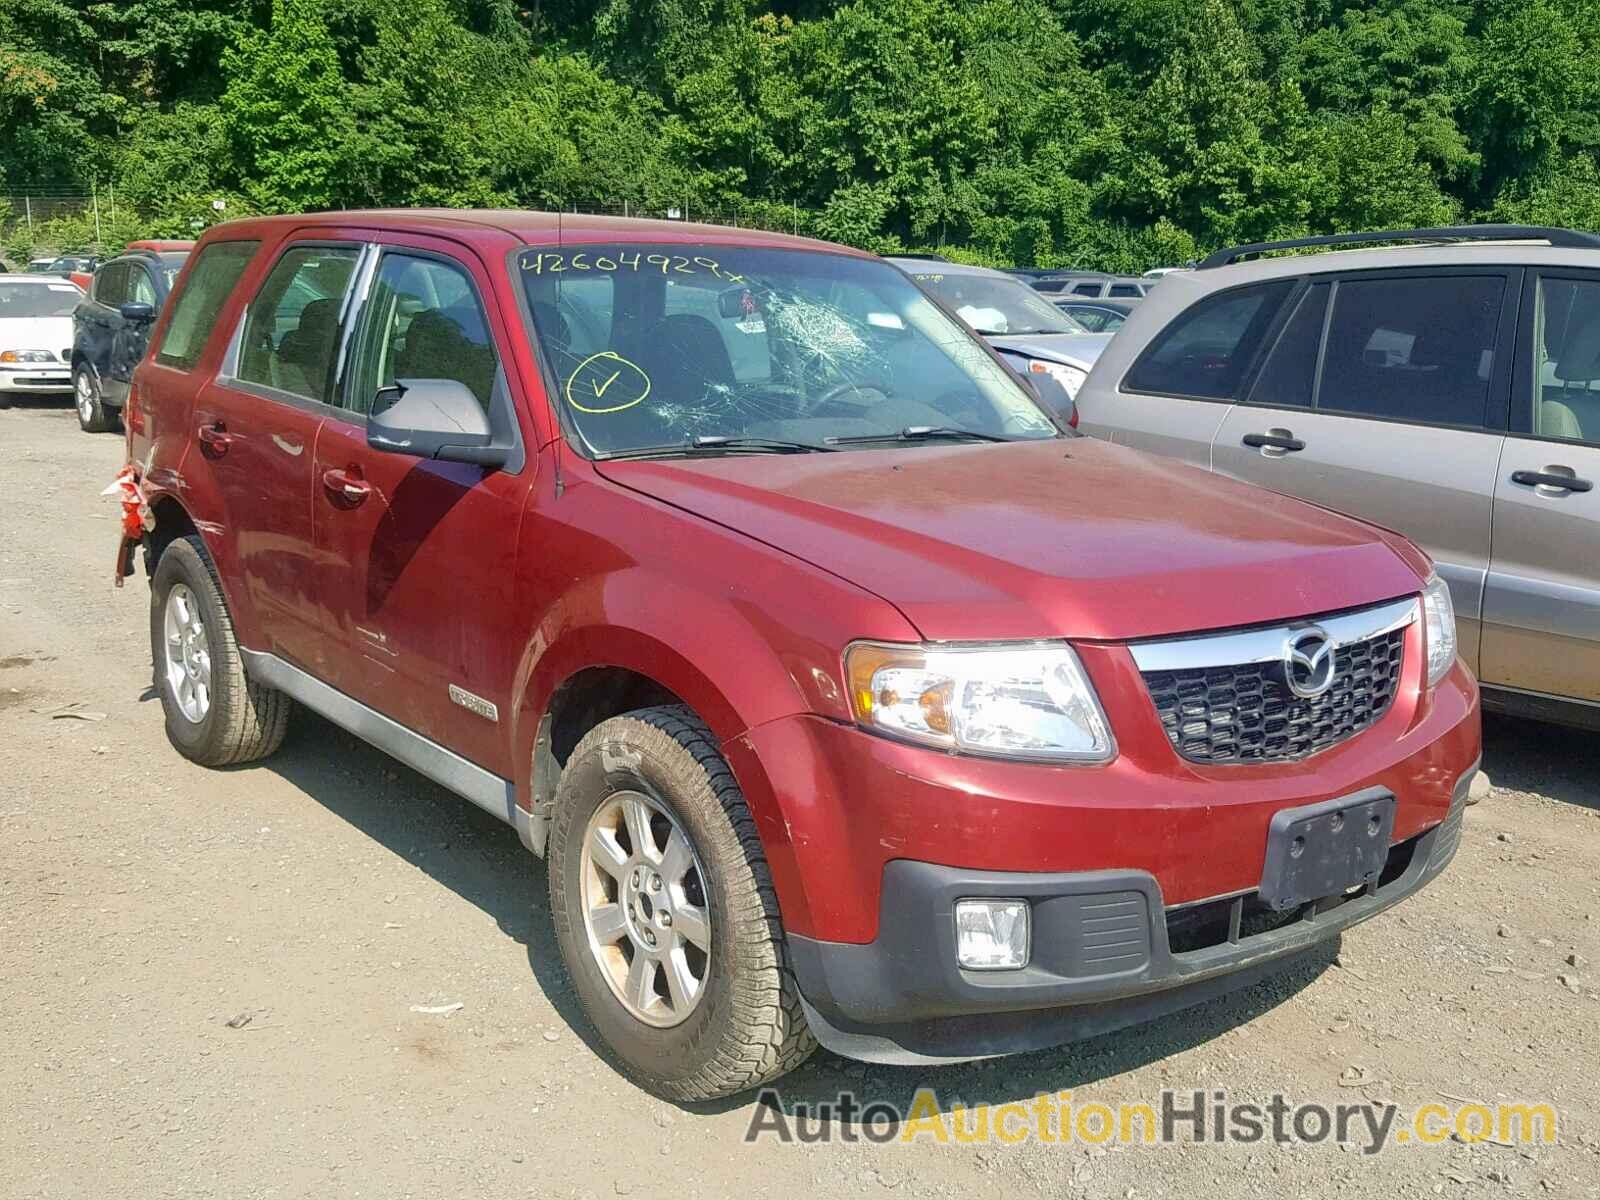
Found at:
<point>1308,665</point>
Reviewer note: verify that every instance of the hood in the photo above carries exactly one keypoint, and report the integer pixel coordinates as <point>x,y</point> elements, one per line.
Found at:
<point>1074,349</point>
<point>1068,537</point>
<point>37,333</point>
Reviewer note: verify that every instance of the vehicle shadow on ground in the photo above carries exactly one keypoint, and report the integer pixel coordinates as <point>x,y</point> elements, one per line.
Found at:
<point>481,860</point>
<point>1552,760</point>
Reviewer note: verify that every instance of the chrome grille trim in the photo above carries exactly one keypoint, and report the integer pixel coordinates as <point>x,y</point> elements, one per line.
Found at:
<point>1266,644</point>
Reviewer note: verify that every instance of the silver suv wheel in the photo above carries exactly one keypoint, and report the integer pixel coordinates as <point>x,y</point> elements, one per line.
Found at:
<point>188,654</point>
<point>644,909</point>
<point>84,386</point>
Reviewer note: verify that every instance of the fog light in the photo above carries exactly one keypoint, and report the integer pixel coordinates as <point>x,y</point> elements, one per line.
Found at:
<point>992,935</point>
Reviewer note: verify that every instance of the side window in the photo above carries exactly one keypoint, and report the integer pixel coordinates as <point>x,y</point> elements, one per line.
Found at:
<point>141,288</point>
<point>1125,290</point>
<point>195,311</point>
<point>1206,349</point>
<point>1291,369</point>
<point>110,284</point>
<point>423,321</point>
<point>292,327</point>
<point>1086,289</point>
<point>1567,360</point>
<point>1418,349</point>
<point>693,315</point>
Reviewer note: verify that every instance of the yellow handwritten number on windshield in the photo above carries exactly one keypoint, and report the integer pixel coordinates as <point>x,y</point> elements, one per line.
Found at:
<point>607,383</point>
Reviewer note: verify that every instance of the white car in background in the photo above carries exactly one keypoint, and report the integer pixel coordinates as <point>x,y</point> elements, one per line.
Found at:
<point>1049,348</point>
<point>36,336</point>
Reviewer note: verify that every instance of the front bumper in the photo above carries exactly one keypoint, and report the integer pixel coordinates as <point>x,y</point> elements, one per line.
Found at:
<point>1107,953</point>
<point>44,380</point>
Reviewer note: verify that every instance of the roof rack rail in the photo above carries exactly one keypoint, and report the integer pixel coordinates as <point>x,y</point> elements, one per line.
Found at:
<point>1569,238</point>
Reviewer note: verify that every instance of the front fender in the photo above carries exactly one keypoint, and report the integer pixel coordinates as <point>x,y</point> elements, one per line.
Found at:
<point>742,654</point>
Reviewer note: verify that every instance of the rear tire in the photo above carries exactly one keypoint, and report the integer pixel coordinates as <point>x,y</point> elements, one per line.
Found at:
<point>743,1025</point>
<point>93,415</point>
<point>216,715</point>
<point>5,400</point>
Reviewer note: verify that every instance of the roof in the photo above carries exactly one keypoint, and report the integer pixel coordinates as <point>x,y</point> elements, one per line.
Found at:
<point>160,246</point>
<point>1478,253</point>
<point>925,267</point>
<point>526,226</point>
<point>1550,234</point>
<point>26,277</point>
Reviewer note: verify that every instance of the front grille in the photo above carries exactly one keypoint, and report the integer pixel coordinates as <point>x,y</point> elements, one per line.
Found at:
<point>1245,713</point>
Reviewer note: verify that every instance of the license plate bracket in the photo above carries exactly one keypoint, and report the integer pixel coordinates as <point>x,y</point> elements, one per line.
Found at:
<point>1324,849</point>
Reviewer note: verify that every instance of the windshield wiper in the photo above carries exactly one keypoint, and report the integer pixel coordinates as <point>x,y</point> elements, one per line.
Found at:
<point>714,443</point>
<point>918,433</point>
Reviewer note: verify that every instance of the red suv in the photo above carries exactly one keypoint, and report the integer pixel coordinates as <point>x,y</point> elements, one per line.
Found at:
<point>850,699</point>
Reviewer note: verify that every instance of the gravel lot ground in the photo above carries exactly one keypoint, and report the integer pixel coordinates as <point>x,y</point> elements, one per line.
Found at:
<point>147,906</point>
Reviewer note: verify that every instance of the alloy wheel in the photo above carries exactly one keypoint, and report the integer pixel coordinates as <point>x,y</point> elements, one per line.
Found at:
<point>644,908</point>
<point>188,654</point>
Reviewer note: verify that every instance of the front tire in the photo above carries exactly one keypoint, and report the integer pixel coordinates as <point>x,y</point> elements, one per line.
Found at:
<point>93,415</point>
<point>216,715</point>
<point>665,912</point>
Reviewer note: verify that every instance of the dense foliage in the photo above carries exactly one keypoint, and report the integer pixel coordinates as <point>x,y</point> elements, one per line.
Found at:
<point>1115,133</point>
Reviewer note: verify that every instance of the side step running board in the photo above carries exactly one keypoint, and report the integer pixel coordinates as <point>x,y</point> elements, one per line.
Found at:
<point>445,767</point>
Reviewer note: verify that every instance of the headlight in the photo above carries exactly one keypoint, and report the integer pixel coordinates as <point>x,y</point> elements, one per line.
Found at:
<point>1014,701</point>
<point>26,356</point>
<point>1440,628</point>
<point>1070,378</point>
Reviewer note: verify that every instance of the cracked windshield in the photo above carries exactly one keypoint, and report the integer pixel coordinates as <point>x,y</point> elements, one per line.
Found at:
<point>674,349</point>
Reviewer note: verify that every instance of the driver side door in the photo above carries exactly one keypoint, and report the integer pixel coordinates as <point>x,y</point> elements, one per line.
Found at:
<point>417,558</point>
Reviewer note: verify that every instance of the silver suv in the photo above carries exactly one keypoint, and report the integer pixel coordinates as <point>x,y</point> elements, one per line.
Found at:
<point>1448,388</point>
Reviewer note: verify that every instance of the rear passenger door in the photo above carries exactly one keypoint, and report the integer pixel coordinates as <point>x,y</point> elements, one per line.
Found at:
<point>417,558</point>
<point>1384,396</point>
<point>97,321</point>
<point>256,426</point>
<point>1176,395</point>
<point>1541,611</point>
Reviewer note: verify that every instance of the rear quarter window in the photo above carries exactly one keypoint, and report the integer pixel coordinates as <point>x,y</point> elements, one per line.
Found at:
<point>195,311</point>
<point>1206,350</point>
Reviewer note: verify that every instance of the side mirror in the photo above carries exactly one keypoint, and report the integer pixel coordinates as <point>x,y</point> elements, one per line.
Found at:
<point>137,314</point>
<point>433,418</point>
<point>730,303</point>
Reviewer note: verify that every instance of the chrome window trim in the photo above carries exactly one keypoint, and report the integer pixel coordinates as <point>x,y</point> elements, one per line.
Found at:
<point>1267,644</point>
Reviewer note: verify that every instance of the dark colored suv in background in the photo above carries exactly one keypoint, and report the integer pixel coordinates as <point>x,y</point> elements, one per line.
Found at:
<point>111,327</point>
<point>850,697</point>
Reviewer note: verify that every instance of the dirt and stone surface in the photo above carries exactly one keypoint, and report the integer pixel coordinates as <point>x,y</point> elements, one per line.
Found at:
<point>207,979</point>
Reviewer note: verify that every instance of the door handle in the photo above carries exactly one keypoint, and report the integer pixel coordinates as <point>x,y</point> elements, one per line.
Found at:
<point>1274,439</point>
<point>346,486</point>
<point>1560,478</point>
<point>215,438</point>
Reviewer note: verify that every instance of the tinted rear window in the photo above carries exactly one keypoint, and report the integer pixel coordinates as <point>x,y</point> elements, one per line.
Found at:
<point>195,312</point>
<point>1207,349</point>
<point>1416,349</point>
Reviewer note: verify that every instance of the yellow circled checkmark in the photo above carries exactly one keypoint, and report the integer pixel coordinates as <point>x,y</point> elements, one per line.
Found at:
<point>623,366</point>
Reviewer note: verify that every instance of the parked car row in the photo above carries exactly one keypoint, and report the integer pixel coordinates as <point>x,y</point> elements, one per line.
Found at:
<point>1048,347</point>
<point>852,697</point>
<point>104,332</point>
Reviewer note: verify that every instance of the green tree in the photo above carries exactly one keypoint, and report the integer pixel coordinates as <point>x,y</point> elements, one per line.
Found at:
<point>286,110</point>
